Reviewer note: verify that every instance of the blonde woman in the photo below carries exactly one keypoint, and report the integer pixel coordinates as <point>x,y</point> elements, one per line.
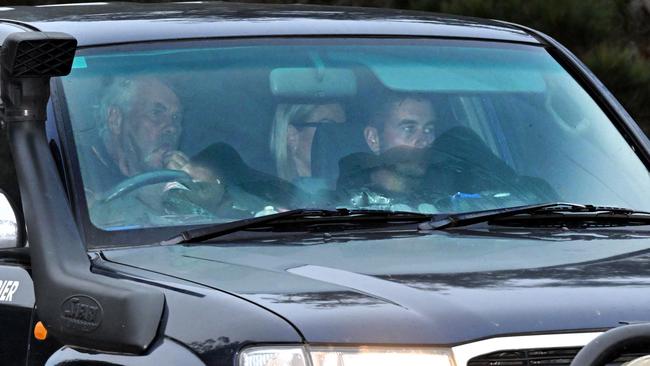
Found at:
<point>292,135</point>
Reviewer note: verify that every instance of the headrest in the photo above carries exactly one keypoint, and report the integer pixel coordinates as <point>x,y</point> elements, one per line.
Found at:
<point>332,142</point>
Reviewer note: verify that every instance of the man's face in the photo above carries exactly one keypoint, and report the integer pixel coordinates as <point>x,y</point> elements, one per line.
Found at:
<point>151,129</point>
<point>409,123</point>
<point>407,128</point>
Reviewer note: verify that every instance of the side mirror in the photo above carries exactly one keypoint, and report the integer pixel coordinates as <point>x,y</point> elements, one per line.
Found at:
<point>10,233</point>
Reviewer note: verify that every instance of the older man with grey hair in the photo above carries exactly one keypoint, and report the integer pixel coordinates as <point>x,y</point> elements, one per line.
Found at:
<point>143,126</point>
<point>140,124</point>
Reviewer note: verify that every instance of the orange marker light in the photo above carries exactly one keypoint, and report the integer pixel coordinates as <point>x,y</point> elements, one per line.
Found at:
<point>40,332</point>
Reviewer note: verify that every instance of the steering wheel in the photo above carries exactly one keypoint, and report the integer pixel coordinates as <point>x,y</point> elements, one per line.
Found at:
<point>145,179</point>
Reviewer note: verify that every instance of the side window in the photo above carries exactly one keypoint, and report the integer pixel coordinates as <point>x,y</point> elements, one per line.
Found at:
<point>8,180</point>
<point>470,112</point>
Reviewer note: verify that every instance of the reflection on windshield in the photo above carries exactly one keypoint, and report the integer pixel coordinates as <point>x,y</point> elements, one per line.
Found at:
<point>194,132</point>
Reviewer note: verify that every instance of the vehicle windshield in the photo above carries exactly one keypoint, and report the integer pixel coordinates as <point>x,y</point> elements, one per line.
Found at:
<point>185,133</point>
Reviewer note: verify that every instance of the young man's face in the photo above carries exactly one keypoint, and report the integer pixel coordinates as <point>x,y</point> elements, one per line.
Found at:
<point>409,123</point>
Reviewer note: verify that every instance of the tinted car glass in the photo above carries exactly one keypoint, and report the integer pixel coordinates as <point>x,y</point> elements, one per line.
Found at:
<point>189,133</point>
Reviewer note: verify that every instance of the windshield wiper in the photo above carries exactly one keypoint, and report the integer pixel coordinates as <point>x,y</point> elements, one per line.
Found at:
<point>541,215</point>
<point>294,217</point>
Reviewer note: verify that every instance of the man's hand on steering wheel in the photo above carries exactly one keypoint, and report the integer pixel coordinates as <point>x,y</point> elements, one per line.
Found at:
<point>177,160</point>
<point>206,189</point>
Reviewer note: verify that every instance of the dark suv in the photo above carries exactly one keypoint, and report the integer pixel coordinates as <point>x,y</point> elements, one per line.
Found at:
<point>224,184</point>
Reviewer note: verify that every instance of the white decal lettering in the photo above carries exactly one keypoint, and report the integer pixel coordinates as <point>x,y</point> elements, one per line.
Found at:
<point>8,289</point>
<point>3,294</point>
<point>14,288</point>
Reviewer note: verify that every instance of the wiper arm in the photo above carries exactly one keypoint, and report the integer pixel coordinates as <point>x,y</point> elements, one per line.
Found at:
<point>444,221</point>
<point>312,215</point>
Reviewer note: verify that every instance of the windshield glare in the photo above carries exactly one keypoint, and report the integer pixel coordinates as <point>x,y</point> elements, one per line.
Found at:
<point>189,133</point>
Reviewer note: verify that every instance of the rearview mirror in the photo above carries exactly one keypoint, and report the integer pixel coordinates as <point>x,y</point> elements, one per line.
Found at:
<point>8,224</point>
<point>306,82</point>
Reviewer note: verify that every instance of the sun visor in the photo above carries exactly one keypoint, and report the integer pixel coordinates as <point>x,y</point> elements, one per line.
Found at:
<point>427,78</point>
<point>458,69</point>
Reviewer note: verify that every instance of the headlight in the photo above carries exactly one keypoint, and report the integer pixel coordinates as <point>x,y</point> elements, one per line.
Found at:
<point>273,356</point>
<point>339,356</point>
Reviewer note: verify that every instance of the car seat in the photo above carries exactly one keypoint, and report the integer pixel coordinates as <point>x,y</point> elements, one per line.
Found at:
<point>331,143</point>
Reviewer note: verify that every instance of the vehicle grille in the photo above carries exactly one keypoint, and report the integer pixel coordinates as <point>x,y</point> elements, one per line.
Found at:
<point>544,357</point>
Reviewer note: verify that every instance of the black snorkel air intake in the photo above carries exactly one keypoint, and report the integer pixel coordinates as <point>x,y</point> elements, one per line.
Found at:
<point>78,307</point>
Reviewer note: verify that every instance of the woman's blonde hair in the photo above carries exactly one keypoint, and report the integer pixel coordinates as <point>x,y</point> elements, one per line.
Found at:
<point>286,114</point>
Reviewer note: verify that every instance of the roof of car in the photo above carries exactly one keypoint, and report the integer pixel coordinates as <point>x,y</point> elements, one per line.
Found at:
<point>110,23</point>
